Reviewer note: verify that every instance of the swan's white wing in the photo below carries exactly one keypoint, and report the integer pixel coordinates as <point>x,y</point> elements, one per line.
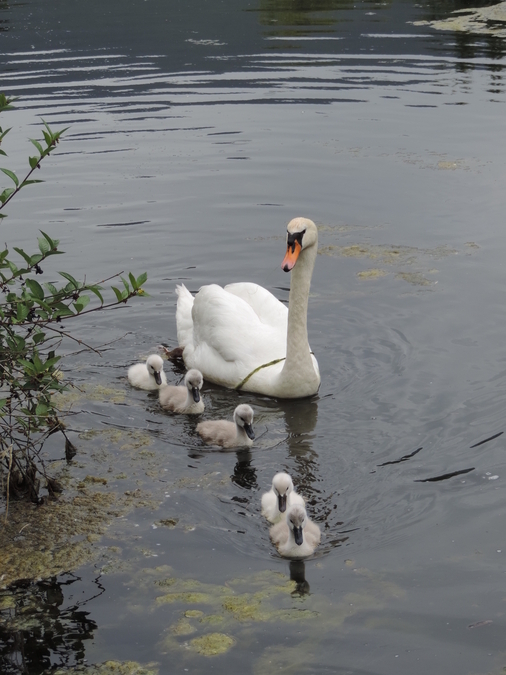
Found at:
<point>229,338</point>
<point>184,319</point>
<point>265,305</point>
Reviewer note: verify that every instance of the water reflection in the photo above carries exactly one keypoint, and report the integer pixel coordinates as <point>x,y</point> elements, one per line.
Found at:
<point>298,574</point>
<point>245,475</point>
<point>292,18</point>
<point>4,23</point>
<point>37,632</point>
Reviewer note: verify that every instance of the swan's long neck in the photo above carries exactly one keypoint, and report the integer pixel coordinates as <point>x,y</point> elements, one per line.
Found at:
<point>298,369</point>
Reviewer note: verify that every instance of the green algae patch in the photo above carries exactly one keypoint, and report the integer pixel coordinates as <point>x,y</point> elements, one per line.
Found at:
<point>110,668</point>
<point>213,479</point>
<point>189,598</point>
<point>124,439</point>
<point>213,619</point>
<point>481,20</point>
<point>194,614</point>
<point>7,602</point>
<point>371,274</point>
<point>387,254</point>
<point>414,278</point>
<point>40,542</point>
<point>66,401</point>
<point>212,644</point>
<point>245,607</point>
<point>183,627</point>
<point>168,522</point>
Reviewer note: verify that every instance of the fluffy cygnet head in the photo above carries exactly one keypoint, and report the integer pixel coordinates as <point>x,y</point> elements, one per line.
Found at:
<point>154,364</point>
<point>243,417</point>
<point>282,485</point>
<point>194,381</point>
<point>296,520</point>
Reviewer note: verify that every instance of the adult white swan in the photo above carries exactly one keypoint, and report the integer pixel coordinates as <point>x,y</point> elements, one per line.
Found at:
<point>242,337</point>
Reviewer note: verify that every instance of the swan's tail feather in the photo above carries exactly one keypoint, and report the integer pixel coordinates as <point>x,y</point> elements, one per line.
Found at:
<point>184,319</point>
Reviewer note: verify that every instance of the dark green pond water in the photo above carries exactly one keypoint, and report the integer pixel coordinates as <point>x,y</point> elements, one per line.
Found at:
<point>196,132</point>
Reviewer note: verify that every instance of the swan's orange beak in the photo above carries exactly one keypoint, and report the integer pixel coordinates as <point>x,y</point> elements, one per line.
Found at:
<point>291,256</point>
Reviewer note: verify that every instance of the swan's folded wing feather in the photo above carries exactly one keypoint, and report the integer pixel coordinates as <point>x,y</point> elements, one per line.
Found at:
<point>228,335</point>
<point>184,319</point>
<point>265,305</point>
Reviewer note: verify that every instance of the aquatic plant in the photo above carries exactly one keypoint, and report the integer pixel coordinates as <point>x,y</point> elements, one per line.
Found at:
<point>31,332</point>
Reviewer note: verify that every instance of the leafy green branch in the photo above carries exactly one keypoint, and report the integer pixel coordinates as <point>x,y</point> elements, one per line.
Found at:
<point>51,139</point>
<point>31,333</point>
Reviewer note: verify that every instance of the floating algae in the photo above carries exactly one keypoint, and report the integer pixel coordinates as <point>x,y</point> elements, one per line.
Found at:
<point>400,256</point>
<point>183,627</point>
<point>109,668</point>
<point>65,401</point>
<point>414,278</point>
<point>481,20</point>
<point>212,644</point>
<point>371,274</point>
<point>167,522</point>
<point>40,542</point>
<point>125,439</point>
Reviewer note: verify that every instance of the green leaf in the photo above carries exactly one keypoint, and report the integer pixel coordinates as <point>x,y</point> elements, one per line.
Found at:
<point>41,409</point>
<point>28,366</point>
<point>60,310</point>
<point>22,254</point>
<point>19,343</point>
<point>48,137</point>
<point>4,196</point>
<point>69,278</point>
<point>37,145</point>
<point>22,312</point>
<point>51,362</point>
<point>142,278</point>
<point>35,259</point>
<point>133,281</point>
<point>96,290</point>
<point>30,182</point>
<point>33,161</point>
<point>125,284</point>
<point>35,289</point>
<point>53,243</point>
<point>3,153</point>
<point>51,288</point>
<point>11,175</point>
<point>44,246</point>
<point>3,402</point>
<point>38,338</point>
<point>38,363</point>
<point>81,303</point>
<point>118,293</point>
<point>4,133</point>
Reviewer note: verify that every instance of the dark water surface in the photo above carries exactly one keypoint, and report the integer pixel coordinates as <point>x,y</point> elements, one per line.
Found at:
<point>197,130</point>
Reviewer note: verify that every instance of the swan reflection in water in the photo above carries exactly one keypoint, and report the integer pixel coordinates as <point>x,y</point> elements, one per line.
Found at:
<point>298,574</point>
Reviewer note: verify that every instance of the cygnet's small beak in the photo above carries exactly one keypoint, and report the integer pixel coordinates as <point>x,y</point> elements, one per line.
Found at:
<point>249,430</point>
<point>292,253</point>
<point>282,503</point>
<point>297,535</point>
<point>158,377</point>
<point>196,394</point>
